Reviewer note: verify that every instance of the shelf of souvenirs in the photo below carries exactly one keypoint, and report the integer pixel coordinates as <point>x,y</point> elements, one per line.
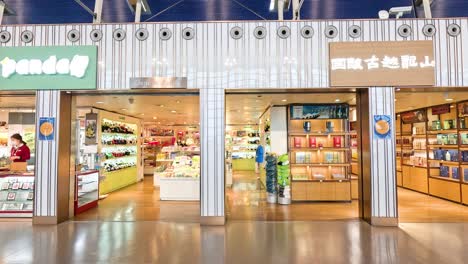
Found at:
<point>442,131</point>
<point>119,164</point>
<point>174,149</point>
<point>320,133</point>
<point>116,127</point>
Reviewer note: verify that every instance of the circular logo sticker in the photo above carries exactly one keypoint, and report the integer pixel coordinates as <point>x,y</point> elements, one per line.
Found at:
<point>46,129</point>
<point>382,126</point>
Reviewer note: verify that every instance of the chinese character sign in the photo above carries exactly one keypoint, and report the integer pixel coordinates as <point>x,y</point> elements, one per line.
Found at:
<point>408,63</point>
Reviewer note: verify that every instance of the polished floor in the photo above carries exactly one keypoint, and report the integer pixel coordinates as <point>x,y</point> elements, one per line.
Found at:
<point>238,242</point>
<point>140,202</point>
<point>246,200</point>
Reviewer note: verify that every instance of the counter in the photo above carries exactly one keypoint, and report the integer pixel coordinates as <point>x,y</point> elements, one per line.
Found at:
<point>179,189</point>
<point>16,194</point>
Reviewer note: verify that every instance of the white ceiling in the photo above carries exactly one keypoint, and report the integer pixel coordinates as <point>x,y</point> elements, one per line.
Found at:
<point>166,110</point>
<point>412,100</point>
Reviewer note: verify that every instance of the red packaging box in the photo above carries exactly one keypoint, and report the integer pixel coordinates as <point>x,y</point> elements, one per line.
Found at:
<point>312,142</point>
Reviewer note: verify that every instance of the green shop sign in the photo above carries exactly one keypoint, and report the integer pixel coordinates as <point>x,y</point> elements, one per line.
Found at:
<point>48,68</point>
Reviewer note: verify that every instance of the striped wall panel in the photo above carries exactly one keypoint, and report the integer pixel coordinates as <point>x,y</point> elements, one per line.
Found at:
<point>382,155</point>
<point>45,203</point>
<point>248,62</point>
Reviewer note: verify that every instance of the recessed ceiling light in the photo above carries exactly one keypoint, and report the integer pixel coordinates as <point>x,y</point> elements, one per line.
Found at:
<point>398,89</point>
<point>395,100</point>
<point>178,101</point>
<point>99,102</point>
<point>337,100</point>
<point>452,106</point>
<point>159,122</point>
<point>449,99</point>
<point>173,111</point>
<point>124,109</point>
<point>161,105</point>
<point>284,100</point>
<point>155,118</point>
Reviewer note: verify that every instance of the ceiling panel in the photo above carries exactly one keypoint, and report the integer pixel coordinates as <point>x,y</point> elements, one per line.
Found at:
<point>59,11</point>
<point>166,110</point>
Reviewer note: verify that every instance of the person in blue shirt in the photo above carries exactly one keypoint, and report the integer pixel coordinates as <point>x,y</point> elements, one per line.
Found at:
<point>259,157</point>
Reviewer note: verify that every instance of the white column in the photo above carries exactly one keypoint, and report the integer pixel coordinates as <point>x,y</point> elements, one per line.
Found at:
<point>2,9</point>
<point>98,11</point>
<point>212,132</point>
<point>378,177</point>
<point>138,11</point>
<point>52,168</point>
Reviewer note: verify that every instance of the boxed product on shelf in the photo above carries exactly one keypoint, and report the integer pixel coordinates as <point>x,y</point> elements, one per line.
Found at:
<point>464,156</point>
<point>444,171</point>
<point>455,174</point>
<point>465,174</point>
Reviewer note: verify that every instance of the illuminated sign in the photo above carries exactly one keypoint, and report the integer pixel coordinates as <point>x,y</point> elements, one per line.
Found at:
<point>397,63</point>
<point>48,68</point>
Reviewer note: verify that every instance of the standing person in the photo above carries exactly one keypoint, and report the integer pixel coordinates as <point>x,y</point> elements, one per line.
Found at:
<point>19,151</point>
<point>259,156</point>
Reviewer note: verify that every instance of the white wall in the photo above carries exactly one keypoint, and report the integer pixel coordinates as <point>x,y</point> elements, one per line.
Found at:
<point>279,130</point>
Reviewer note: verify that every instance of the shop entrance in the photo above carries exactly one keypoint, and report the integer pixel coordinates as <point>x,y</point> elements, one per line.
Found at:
<point>432,155</point>
<point>306,168</point>
<point>137,157</point>
<point>17,157</point>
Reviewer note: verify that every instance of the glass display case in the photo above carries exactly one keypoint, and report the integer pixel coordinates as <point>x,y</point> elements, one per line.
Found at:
<point>16,194</point>
<point>86,190</point>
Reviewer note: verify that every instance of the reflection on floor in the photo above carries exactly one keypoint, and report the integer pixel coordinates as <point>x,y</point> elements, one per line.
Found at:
<point>246,200</point>
<point>237,242</point>
<point>140,202</point>
<point>418,207</point>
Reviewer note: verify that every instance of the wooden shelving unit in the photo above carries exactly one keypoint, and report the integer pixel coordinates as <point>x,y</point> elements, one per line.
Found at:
<point>320,159</point>
<point>426,167</point>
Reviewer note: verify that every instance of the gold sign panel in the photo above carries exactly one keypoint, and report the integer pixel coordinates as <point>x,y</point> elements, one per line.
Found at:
<point>396,63</point>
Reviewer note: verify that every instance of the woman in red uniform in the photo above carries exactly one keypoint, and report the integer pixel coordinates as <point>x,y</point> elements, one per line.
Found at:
<point>19,152</point>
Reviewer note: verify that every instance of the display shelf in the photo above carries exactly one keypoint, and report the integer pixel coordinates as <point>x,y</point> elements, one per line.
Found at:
<point>320,159</point>
<point>444,178</point>
<point>443,146</point>
<point>456,163</point>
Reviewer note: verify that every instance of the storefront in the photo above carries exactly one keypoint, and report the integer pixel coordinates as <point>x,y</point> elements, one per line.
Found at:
<point>218,57</point>
<point>17,116</point>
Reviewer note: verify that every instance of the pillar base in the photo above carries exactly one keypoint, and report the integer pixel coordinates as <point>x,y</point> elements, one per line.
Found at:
<point>212,220</point>
<point>45,220</point>
<point>384,221</point>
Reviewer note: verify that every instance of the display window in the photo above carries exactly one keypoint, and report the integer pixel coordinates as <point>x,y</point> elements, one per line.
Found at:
<point>17,155</point>
<point>140,152</point>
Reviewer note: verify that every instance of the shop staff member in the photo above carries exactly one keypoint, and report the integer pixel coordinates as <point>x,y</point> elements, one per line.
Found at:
<point>259,155</point>
<point>19,152</point>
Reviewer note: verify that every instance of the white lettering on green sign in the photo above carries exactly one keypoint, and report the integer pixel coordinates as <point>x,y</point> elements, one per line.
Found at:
<point>76,67</point>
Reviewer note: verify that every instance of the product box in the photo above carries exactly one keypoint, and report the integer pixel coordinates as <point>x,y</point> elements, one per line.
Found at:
<point>312,142</point>
<point>444,171</point>
<point>453,155</point>
<point>442,139</point>
<point>455,174</point>
<point>439,154</point>
<point>436,125</point>
<point>464,156</point>
<point>465,175</point>
<point>449,124</point>
<point>452,139</point>
<point>337,142</point>
<point>297,142</point>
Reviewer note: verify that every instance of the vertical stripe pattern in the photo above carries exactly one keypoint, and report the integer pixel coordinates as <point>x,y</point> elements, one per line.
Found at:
<point>213,61</point>
<point>45,203</point>
<point>382,155</point>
